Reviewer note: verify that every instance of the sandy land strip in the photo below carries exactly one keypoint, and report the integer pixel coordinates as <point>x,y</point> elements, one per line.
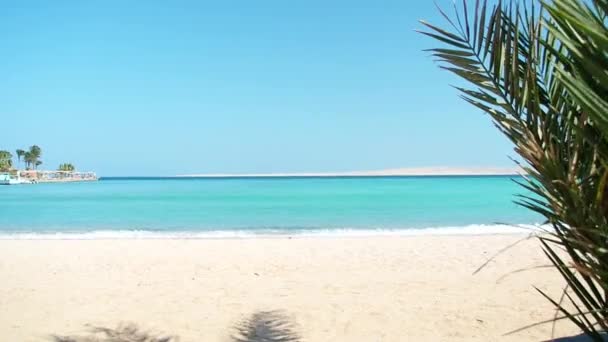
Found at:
<point>417,288</point>
<point>420,171</point>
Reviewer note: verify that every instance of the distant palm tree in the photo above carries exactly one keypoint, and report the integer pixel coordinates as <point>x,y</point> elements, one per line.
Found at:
<point>34,155</point>
<point>6,162</point>
<point>36,150</point>
<point>20,154</point>
<point>29,160</point>
<point>66,167</point>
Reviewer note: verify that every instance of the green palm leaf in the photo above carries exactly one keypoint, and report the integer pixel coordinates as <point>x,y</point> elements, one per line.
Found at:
<point>542,76</point>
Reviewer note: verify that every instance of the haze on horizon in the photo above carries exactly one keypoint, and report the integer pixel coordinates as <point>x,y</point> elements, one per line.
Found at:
<point>165,89</point>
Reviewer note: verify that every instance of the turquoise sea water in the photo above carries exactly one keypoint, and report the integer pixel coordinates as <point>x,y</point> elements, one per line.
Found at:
<point>261,205</point>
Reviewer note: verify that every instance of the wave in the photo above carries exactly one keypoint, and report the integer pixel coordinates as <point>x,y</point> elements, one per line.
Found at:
<point>478,229</point>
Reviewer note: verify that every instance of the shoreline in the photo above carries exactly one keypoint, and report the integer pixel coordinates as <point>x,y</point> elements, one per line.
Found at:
<point>108,234</point>
<point>46,181</point>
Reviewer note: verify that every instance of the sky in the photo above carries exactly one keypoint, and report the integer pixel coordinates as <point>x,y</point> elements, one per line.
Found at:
<point>160,88</point>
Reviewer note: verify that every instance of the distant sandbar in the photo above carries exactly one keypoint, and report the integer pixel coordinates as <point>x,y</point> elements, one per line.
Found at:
<point>421,171</point>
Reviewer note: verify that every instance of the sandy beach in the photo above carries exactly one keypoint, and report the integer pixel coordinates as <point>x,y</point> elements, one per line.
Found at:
<point>418,288</point>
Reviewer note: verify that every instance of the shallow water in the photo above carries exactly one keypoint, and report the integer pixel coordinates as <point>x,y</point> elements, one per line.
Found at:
<point>262,205</point>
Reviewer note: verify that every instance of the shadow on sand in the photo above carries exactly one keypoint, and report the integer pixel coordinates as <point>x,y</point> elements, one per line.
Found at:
<point>123,333</point>
<point>266,326</point>
<point>261,326</point>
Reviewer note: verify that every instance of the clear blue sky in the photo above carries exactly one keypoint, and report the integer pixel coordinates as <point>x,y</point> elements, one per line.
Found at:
<point>173,87</point>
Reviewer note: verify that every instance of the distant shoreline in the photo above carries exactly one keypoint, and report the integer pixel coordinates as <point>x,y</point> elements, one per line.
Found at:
<point>418,172</point>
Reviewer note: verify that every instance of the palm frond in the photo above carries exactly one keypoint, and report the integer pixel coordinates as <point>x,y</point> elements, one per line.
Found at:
<point>542,76</point>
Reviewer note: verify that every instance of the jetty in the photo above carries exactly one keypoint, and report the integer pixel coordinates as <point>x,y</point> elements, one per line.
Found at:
<point>41,176</point>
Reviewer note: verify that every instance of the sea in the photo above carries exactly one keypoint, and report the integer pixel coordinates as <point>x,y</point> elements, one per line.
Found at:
<point>138,207</point>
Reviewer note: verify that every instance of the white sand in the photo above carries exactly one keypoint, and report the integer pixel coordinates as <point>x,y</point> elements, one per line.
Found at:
<point>334,289</point>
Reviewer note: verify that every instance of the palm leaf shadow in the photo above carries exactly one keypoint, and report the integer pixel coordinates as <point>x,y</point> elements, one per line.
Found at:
<point>123,333</point>
<point>266,326</point>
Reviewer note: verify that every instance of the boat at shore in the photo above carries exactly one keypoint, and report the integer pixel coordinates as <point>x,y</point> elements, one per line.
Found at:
<point>8,179</point>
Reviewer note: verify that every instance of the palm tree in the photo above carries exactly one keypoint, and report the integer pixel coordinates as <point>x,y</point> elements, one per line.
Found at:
<point>66,167</point>
<point>6,162</point>
<point>541,76</point>
<point>20,154</point>
<point>35,153</point>
<point>29,160</point>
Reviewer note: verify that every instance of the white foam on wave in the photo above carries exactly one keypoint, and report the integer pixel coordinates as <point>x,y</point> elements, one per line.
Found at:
<point>276,233</point>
